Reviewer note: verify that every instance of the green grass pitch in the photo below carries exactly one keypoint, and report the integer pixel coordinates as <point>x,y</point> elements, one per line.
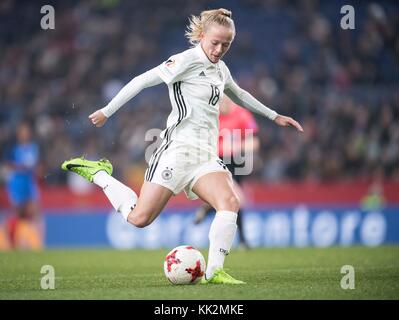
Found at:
<point>275,273</point>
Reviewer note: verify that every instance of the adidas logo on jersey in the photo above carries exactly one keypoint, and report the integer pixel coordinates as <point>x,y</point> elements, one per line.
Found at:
<point>202,74</point>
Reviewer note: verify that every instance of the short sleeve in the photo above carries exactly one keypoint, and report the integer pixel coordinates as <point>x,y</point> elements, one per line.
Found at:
<point>172,69</point>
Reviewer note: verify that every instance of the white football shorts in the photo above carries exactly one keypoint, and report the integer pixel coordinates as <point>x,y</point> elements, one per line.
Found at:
<point>178,166</point>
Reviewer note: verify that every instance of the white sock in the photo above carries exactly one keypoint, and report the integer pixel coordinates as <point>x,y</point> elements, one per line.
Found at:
<point>122,198</point>
<point>221,236</point>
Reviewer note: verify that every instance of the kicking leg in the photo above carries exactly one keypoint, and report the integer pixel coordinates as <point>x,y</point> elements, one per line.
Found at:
<point>122,198</point>
<point>153,198</point>
<point>139,212</point>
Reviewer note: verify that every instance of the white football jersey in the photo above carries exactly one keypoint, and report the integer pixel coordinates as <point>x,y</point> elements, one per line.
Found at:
<point>195,87</point>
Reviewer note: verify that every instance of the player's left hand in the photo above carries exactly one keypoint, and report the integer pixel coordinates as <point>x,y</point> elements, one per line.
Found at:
<point>287,121</point>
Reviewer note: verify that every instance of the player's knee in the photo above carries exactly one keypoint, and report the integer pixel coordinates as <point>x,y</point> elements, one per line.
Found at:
<point>235,203</point>
<point>138,220</point>
<point>141,224</point>
<point>231,203</point>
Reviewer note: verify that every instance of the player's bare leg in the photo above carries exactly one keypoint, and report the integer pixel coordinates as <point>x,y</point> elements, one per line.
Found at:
<point>206,208</point>
<point>217,189</point>
<point>153,198</point>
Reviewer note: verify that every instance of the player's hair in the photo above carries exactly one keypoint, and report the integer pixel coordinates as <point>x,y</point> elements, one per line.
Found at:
<point>199,24</point>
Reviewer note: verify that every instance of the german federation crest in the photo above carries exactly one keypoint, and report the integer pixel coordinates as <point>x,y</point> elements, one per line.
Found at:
<point>167,174</point>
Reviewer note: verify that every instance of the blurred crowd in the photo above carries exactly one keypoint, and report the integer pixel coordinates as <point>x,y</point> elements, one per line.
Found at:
<point>342,85</point>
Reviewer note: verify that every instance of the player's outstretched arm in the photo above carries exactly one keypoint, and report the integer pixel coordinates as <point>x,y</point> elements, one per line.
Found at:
<point>245,99</point>
<point>145,80</point>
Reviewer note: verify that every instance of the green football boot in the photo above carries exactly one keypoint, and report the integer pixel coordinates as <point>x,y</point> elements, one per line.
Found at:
<point>220,276</point>
<point>87,168</point>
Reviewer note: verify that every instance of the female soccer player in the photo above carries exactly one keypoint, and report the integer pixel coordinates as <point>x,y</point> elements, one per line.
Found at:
<point>187,159</point>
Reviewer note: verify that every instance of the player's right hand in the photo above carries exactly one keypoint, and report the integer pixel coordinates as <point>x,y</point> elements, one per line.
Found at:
<point>98,118</point>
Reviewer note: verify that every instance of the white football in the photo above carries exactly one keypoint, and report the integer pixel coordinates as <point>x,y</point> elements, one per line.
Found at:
<point>184,265</point>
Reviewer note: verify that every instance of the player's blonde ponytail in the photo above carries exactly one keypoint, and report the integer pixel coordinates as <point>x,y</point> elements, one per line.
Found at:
<point>199,24</point>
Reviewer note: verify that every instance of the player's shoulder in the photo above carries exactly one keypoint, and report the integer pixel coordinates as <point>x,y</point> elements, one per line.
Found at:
<point>185,57</point>
<point>225,69</point>
<point>178,66</point>
<point>223,65</point>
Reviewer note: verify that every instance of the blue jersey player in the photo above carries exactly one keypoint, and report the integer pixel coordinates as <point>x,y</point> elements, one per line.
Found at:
<point>21,185</point>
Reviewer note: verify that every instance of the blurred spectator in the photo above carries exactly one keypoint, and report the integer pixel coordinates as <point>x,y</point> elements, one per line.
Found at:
<point>374,199</point>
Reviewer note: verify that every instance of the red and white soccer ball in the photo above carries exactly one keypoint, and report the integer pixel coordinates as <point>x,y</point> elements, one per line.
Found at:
<point>184,265</point>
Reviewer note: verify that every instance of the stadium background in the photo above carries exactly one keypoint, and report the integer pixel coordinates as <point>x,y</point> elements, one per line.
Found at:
<point>306,190</point>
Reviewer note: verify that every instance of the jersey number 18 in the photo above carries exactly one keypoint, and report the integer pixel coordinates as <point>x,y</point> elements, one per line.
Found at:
<point>215,95</point>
